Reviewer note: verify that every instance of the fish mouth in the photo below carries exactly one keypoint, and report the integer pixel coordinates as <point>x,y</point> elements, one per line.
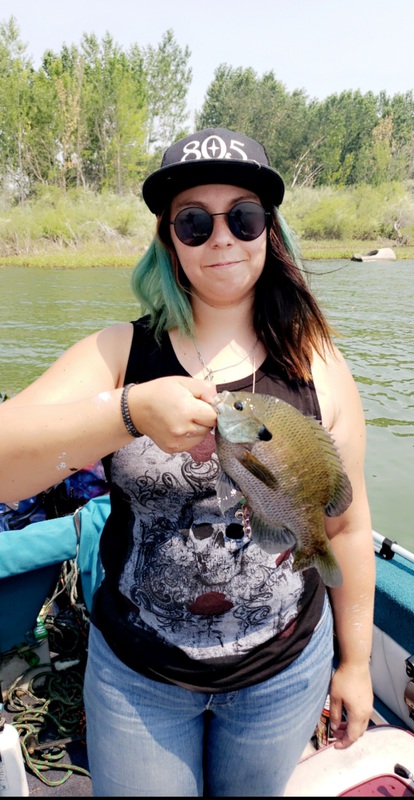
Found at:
<point>220,399</point>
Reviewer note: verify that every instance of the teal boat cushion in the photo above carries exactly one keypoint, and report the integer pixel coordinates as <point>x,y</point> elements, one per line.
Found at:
<point>394,599</point>
<point>30,561</point>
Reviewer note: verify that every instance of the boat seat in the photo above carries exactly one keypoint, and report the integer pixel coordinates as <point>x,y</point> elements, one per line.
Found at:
<point>330,772</point>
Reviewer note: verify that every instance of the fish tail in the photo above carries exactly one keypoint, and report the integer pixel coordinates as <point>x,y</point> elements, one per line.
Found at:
<point>325,562</point>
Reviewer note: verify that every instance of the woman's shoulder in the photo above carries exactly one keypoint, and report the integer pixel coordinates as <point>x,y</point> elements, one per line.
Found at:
<point>334,384</point>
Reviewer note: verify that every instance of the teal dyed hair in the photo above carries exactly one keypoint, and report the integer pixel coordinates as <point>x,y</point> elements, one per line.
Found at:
<point>289,239</point>
<point>155,285</point>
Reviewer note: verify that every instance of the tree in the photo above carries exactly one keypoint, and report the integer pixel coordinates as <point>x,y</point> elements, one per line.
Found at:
<point>168,79</point>
<point>344,123</point>
<point>261,108</point>
<point>401,108</point>
<point>115,110</point>
<point>65,73</point>
<point>16,74</point>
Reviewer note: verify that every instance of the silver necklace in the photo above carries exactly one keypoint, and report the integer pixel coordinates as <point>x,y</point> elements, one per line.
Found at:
<point>212,372</point>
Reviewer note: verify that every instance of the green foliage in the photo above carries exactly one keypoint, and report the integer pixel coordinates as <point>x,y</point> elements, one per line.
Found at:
<point>345,140</point>
<point>91,116</point>
<point>97,117</point>
<point>168,79</point>
<point>330,216</point>
<point>260,107</point>
<point>15,85</point>
<point>115,114</point>
<point>362,213</point>
<point>74,219</point>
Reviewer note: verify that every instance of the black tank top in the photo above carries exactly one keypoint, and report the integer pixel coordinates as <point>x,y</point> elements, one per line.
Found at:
<point>187,597</point>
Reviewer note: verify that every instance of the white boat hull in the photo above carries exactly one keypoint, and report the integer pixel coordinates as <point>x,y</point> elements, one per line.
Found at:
<point>330,772</point>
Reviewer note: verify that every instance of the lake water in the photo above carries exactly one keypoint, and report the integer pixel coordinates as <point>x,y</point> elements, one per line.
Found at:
<point>371,305</point>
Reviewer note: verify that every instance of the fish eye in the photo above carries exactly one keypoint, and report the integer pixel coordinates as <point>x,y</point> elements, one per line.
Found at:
<point>239,405</point>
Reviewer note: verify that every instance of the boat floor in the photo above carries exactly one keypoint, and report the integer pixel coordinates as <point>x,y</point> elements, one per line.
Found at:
<point>64,781</point>
<point>76,784</point>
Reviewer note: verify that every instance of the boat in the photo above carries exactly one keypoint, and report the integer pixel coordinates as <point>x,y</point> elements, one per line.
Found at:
<point>381,762</point>
<point>383,254</point>
<point>67,552</point>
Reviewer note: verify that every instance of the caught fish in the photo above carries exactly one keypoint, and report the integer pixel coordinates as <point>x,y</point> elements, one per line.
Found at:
<point>289,471</point>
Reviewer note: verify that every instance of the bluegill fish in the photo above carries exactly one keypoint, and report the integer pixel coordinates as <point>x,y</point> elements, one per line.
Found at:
<point>289,471</point>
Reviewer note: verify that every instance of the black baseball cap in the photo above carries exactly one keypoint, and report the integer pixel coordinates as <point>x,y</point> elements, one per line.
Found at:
<point>213,155</point>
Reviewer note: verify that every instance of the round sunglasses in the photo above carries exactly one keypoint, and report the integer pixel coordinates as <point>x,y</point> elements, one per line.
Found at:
<point>193,226</point>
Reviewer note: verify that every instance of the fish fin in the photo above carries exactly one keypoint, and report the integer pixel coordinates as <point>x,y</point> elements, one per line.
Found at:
<point>341,496</point>
<point>325,563</point>
<point>341,489</point>
<point>271,540</point>
<point>228,493</point>
<point>258,469</point>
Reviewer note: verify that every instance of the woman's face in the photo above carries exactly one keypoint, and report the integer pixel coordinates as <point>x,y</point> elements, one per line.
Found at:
<point>224,269</point>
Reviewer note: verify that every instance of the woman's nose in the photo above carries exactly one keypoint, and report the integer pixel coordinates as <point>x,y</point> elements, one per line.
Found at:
<point>221,234</point>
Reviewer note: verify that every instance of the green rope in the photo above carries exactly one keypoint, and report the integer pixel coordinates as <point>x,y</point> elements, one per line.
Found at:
<point>53,701</point>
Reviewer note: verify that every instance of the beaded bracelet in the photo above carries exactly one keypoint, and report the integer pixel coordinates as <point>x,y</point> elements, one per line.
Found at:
<point>126,416</point>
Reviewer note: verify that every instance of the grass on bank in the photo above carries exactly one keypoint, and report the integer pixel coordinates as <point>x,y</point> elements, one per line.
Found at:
<point>128,255</point>
<point>81,229</point>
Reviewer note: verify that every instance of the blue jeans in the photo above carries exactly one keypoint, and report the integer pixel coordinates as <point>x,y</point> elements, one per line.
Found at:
<point>148,739</point>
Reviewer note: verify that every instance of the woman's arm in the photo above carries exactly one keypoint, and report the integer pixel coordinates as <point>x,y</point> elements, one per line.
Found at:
<point>352,542</point>
<point>71,416</point>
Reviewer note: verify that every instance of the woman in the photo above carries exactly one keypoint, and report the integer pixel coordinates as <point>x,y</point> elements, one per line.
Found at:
<point>209,659</point>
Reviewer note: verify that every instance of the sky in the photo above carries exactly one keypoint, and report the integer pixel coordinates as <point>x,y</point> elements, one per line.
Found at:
<point>320,46</point>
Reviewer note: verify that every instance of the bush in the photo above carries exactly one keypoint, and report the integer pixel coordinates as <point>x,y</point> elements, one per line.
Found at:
<point>361,213</point>
<point>58,219</point>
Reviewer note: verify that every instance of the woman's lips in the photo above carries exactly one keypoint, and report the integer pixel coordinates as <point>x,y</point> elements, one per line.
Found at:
<point>223,264</point>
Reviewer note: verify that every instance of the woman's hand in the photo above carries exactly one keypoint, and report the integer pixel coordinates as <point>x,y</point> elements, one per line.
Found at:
<point>175,412</point>
<point>351,689</point>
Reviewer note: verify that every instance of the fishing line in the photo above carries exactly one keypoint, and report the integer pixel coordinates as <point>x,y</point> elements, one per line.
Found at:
<point>329,271</point>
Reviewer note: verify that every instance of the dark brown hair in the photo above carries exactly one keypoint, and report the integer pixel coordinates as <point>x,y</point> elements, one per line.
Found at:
<point>287,317</point>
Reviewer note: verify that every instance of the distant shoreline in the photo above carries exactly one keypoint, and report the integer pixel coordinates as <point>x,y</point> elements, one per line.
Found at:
<point>128,254</point>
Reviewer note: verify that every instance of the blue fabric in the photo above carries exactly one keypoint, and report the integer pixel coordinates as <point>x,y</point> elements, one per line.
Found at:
<point>60,500</point>
<point>30,561</point>
<point>92,516</point>
<point>21,598</point>
<point>37,545</point>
